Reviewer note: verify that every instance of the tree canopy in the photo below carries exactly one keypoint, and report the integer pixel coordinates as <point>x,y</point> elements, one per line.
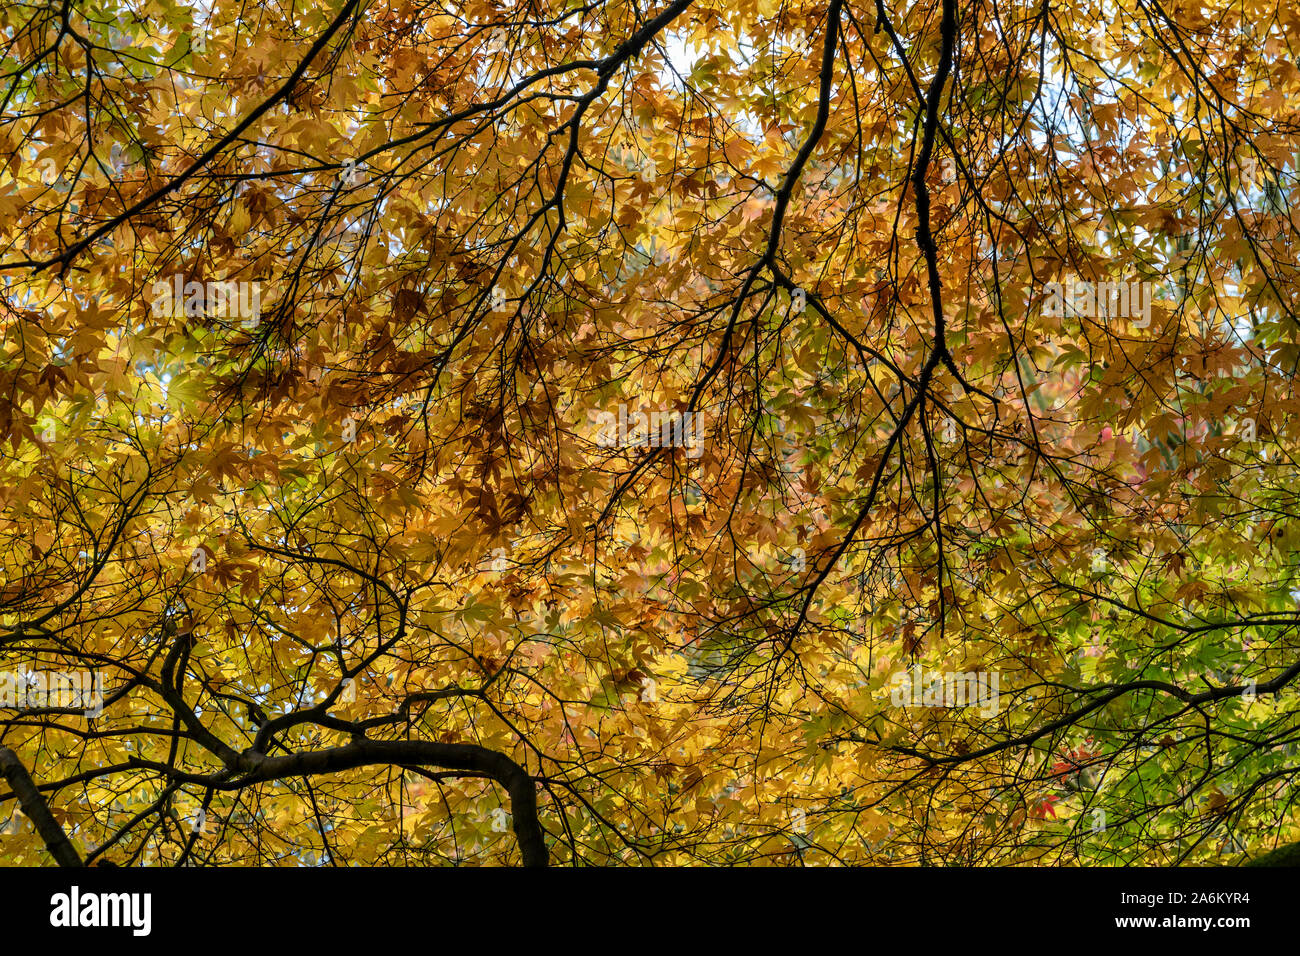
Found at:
<point>644,432</point>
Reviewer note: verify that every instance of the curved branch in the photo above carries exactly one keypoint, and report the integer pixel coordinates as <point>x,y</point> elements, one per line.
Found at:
<point>362,752</point>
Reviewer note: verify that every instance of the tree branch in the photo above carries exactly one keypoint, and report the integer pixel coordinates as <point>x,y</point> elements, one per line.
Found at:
<point>362,752</point>
<point>34,805</point>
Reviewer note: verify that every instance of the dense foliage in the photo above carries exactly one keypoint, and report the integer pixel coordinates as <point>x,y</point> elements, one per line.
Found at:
<point>965,344</point>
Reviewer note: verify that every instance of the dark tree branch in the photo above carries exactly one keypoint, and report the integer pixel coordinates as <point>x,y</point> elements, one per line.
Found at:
<point>34,805</point>
<point>361,752</point>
